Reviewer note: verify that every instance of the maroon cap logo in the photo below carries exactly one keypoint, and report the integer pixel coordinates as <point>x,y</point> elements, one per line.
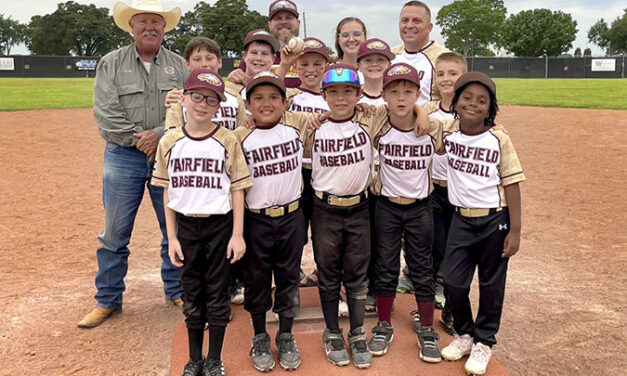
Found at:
<point>209,78</point>
<point>376,45</point>
<point>398,70</point>
<point>312,44</point>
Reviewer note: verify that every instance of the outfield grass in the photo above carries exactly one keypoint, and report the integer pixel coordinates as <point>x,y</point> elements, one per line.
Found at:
<point>42,93</point>
<point>555,92</point>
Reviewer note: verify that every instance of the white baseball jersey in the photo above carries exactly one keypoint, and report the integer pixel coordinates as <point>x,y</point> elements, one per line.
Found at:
<point>374,101</point>
<point>274,155</point>
<point>404,161</point>
<point>424,62</point>
<point>342,154</point>
<point>200,173</point>
<point>479,166</point>
<point>439,162</point>
<point>302,100</point>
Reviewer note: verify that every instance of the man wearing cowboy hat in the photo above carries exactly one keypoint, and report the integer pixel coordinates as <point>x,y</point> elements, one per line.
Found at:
<point>129,95</point>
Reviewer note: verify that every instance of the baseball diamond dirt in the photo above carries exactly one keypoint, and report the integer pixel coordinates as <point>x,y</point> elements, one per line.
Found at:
<point>565,306</point>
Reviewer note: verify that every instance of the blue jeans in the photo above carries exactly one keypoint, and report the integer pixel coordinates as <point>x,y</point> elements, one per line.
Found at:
<point>126,173</point>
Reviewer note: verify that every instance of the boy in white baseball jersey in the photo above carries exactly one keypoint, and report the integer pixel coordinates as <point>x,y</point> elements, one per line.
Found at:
<point>202,52</point>
<point>449,66</point>
<point>203,168</point>
<point>404,210</point>
<point>483,178</point>
<point>274,222</point>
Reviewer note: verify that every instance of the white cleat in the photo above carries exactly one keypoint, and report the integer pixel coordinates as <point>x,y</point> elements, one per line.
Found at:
<point>477,362</point>
<point>458,348</point>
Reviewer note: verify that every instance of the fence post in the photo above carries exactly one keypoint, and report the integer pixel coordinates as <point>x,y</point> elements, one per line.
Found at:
<point>546,66</point>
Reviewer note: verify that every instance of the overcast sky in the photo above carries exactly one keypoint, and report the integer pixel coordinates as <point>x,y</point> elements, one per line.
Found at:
<point>380,16</point>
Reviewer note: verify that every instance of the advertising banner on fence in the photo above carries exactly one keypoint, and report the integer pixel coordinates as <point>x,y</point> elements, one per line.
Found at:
<point>7,63</point>
<point>603,65</point>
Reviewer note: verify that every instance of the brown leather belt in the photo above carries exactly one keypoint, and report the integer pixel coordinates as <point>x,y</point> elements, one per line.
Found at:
<point>441,183</point>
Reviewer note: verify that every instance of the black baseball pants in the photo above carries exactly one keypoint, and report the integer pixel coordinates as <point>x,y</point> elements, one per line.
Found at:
<point>415,223</point>
<point>206,272</point>
<point>341,244</point>
<point>477,243</point>
<point>273,246</point>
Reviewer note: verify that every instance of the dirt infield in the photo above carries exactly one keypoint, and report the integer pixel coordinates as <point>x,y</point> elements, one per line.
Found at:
<point>565,306</point>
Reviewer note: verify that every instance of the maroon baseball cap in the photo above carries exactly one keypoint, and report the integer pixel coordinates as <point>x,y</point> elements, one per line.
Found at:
<point>205,79</point>
<point>317,46</point>
<point>375,46</point>
<point>260,35</point>
<point>476,77</point>
<point>265,77</point>
<point>279,5</point>
<point>400,71</point>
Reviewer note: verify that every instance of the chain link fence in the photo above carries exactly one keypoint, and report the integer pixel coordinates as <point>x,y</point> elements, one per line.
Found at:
<point>513,67</point>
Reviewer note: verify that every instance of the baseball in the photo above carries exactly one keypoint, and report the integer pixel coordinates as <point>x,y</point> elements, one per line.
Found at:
<point>296,45</point>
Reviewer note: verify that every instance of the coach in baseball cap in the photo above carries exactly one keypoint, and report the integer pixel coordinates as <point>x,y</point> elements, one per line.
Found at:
<point>129,94</point>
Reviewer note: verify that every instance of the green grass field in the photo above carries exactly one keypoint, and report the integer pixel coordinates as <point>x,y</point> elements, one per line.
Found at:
<point>43,93</point>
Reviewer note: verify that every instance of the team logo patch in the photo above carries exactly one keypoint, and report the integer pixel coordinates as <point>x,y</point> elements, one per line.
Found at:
<point>261,32</point>
<point>209,78</point>
<point>283,5</point>
<point>267,74</point>
<point>398,70</point>
<point>376,45</point>
<point>312,44</point>
<point>169,70</point>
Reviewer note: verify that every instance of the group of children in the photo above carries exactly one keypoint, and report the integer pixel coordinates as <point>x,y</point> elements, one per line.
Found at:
<point>364,179</point>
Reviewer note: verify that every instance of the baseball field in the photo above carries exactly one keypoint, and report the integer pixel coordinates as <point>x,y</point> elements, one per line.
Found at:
<point>565,306</point>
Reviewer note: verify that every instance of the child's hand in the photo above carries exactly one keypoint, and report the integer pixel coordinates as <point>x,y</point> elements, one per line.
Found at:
<point>236,248</point>
<point>367,109</point>
<point>512,243</point>
<point>172,97</point>
<point>316,120</point>
<point>288,57</point>
<point>238,76</point>
<point>499,127</point>
<point>423,124</point>
<point>175,252</point>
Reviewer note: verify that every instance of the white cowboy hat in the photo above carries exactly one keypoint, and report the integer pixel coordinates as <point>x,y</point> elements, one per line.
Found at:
<point>123,13</point>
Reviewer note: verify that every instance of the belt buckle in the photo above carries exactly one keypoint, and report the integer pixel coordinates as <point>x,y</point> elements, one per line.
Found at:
<point>275,211</point>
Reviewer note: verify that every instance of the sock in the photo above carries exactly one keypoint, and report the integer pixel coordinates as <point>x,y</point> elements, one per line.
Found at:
<point>195,337</point>
<point>259,322</point>
<point>330,312</point>
<point>356,313</point>
<point>426,312</point>
<point>384,308</point>
<point>285,324</point>
<point>216,339</point>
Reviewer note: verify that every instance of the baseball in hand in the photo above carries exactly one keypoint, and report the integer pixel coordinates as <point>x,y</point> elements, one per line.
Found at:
<point>296,45</point>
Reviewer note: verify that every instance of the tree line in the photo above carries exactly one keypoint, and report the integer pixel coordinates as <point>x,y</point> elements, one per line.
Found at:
<point>471,27</point>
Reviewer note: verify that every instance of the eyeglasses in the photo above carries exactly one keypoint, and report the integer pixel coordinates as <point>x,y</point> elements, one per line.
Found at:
<point>197,97</point>
<point>355,34</point>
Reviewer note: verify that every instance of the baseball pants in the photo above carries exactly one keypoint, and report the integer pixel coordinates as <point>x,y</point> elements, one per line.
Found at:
<point>274,246</point>
<point>341,244</point>
<point>442,214</point>
<point>477,243</point>
<point>372,205</point>
<point>415,223</point>
<point>306,200</point>
<point>206,272</point>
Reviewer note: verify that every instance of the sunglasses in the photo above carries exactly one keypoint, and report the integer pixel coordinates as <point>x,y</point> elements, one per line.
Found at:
<point>346,76</point>
<point>355,34</point>
<point>197,97</point>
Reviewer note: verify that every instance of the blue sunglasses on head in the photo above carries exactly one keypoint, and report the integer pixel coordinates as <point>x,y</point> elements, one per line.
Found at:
<point>347,76</point>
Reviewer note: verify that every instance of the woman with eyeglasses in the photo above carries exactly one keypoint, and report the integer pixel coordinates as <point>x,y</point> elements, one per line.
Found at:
<point>349,34</point>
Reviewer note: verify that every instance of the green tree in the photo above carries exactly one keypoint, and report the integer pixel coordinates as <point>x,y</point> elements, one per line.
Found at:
<point>539,32</point>
<point>587,52</point>
<point>217,22</point>
<point>577,52</point>
<point>75,29</point>
<point>12,33</point>
<point>471,26</point>
<point>612,39</point>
